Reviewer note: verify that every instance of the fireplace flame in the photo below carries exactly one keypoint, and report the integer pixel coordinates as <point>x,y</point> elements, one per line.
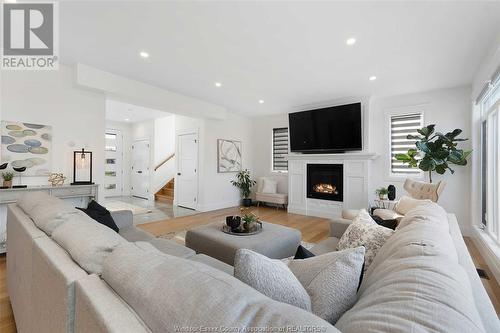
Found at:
<point>325,188</point>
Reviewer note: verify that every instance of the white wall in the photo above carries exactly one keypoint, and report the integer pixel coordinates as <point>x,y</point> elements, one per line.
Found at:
<point>164,146</point>
<point>126,131</point>
<point>75,114</point>
<point>448,109</point>
<point>215,190</point>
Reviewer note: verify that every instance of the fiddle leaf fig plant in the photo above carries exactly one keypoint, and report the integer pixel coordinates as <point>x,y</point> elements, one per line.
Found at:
<point>435,151</point>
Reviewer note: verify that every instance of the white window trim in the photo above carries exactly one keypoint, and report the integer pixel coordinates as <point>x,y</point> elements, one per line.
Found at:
<point>272,150</point>
<point>399,111</point>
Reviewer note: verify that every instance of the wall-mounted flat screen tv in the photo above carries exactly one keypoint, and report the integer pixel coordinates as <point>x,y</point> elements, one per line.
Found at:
<point>327,130</point>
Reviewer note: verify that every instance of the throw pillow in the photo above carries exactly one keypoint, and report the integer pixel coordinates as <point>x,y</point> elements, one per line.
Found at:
<point>370,235</point>
<point>363,217</point>
<point>303,253</point>
<point>100,214</point>
<point>271,277</point>
<point>330,281</point>
<point>270,186</point>
<point>389,223</point>
<point>405,204</point>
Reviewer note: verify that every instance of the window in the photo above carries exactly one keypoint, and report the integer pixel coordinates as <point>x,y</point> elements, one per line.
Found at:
<point>489,107</point>
<point>280,149</point>
<point>401,126</point>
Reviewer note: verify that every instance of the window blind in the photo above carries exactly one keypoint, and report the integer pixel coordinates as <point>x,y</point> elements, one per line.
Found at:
<point>401,126</point>
<point>280,149</point>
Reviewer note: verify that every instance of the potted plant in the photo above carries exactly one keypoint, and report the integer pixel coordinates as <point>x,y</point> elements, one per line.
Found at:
<point>7,179</point>
<point>244,183</point>
<point>435,151</point>
<point>382,193</point>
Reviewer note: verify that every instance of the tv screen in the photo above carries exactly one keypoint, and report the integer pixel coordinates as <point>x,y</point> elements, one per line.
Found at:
<point>326,130</point>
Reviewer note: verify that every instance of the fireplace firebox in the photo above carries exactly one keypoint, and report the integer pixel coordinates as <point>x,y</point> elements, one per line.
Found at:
<point>325,181</point>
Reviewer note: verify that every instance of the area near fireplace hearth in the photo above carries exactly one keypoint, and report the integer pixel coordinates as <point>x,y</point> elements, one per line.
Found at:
<point>323,184</point>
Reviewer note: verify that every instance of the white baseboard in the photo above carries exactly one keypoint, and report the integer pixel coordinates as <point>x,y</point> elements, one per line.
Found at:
<point>489,251</point>
<point>218,205</point>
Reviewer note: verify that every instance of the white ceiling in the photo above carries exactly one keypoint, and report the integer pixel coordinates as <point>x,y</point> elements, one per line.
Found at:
<point>286,53</point>
<point>124,112</point>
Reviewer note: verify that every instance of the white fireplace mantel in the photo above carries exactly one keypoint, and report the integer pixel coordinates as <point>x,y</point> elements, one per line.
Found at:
<point>356,178</point>
<point>345,156</point>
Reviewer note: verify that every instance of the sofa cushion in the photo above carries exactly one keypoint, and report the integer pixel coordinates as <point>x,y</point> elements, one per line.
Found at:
<point>367,234</point>
<point>428,212</point>
<point>270,186</point>
<point>415,284</point>
<point>87,242</point>
<point>47,212</point>
<point>405,204</point>
<point>169,293</point>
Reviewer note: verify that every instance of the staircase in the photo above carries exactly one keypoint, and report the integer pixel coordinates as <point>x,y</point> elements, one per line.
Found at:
<point>166,193</point>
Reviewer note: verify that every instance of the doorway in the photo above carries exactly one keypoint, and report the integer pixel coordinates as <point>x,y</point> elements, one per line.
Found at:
<point>187,170</point>
<point>141,153</point>
<point>113,168</point>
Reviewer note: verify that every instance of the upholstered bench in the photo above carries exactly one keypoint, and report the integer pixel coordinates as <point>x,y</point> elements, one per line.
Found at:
<point>275,241</point>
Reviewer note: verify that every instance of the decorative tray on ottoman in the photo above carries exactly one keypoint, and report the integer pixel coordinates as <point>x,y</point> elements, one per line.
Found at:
<point>255,228</point>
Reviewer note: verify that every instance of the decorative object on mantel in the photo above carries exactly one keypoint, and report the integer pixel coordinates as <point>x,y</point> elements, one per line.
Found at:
<point>435,151</point>
<point>244,183</point>
<point>391,192</point>
<point>382,193</point>
<point>27,145</point>
<point>7,179</point>
<point>56,179</point>
<point>228,156</point>
<point>20,171</point>
<point>82,167</point>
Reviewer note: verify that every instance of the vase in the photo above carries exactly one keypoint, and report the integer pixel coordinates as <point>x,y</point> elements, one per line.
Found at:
<point>233,222</point>
<point>247,202</point>
<point>7,183</point>
<point>382,196</point>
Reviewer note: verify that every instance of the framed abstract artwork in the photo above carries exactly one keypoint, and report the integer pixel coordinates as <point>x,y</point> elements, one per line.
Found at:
<point>27,145</point>
<point>228,156</point>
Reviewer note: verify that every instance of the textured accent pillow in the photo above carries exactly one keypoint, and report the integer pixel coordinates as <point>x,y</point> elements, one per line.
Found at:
<point>100,214</point>
<point>329,281</point>
<point>87,242</point>
<point>271,277</point>
<point>370,235</point>
<point>363,217</point>
<point>405,204</point>
<point>270,186</point>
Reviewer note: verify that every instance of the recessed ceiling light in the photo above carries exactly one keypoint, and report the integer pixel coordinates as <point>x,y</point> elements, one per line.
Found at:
<point>372,78</point>
<point>351,41</point>
<point>144,54</point>
<point>218,84</point>
<point>126,119</point>
<point>261,101</point>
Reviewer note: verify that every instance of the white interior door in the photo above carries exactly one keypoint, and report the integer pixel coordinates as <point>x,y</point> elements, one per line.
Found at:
<point>140,168</point>
<point>113,168</point>
<point>187,173</point>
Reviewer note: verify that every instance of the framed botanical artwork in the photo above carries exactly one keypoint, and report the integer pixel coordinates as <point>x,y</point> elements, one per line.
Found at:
<point>228,156</point>
<point>27,145</point>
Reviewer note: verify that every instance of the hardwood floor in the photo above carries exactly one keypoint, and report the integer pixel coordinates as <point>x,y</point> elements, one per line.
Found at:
<point>313,229</point>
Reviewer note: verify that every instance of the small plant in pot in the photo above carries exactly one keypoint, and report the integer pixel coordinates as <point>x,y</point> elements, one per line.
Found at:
<point>7,179</point>
<point>244,183</point>
<point>382,193</point>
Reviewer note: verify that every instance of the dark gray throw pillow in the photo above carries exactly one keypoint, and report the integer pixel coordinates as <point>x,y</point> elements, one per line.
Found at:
<point>100,214</point>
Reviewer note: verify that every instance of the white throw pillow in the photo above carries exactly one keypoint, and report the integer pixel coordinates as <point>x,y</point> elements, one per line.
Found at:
<point>87,242</point>
<point>270,186</point>
<point>330,280</point>
<point>370,235</point>
<point>364,217</point>
<point>405,204</point>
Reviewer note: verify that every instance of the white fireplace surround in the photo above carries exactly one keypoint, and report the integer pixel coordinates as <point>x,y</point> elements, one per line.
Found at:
<point>356,178</point>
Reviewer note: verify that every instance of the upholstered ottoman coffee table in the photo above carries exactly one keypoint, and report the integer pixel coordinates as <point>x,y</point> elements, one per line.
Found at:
<point>274,241</point>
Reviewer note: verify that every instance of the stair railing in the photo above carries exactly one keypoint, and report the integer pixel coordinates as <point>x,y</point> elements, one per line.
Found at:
<point>164,161</point>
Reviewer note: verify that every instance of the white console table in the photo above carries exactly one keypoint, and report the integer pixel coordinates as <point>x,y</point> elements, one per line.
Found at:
<point>78,195</point>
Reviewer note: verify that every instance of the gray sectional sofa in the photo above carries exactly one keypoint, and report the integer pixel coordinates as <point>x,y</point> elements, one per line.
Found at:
<point>422,280</point>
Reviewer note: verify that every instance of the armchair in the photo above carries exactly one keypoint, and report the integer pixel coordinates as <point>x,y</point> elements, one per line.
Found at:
<point>267,192</point>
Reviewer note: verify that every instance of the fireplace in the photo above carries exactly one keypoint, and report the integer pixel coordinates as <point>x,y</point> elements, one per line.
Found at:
<point>325,181</point>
